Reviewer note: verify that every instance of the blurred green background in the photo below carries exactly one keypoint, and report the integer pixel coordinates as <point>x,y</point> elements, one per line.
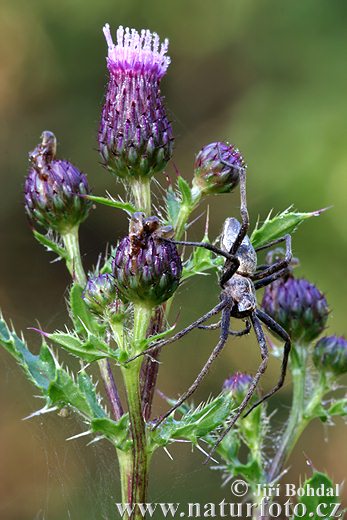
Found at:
<point>268,76</point>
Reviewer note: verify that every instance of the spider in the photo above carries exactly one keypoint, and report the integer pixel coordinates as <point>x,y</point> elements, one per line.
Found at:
<point>240,279</point>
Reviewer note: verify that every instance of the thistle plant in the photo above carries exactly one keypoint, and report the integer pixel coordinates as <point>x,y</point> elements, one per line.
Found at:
<point>122,308</point>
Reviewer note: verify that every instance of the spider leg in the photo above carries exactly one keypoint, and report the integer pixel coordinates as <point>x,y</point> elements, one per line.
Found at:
<point>221,305</point>
<point>252,387</point>
<point>244,214</point>
<point>277,329</point>
<point>215,326</point>
<point>205,245</point>
<point>271,278</point>
<point>277,266</point>
<point>225,322</point>
<point>270,244</point>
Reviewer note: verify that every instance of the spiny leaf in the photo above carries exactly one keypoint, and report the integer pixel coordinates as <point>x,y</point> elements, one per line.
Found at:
<point>116,431</point>
<point>280,225</point>
<point>108,201</point>
<point>185,190</point>
<point>50,244</point>
<point>173,205</point>
<point>82,318</point>
<point>59,388</point>
<point>86,350</point>
<point>312,500</point>
<point>195,423</point>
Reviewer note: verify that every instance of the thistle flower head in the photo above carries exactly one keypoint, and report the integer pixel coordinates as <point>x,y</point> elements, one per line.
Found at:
<point>54,189</point>
<point>217,168</point>
<point>135,135</point>
<point>100,294</point>
<point>237,385</point>
<point>137,53</point>
<point>147,269</point>
<point>298,306</point>
<point>330,355</point>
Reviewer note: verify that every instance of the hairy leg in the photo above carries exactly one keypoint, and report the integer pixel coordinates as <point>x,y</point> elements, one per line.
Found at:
<point>277,266</point>
<point>277,329</point>
<point>252,387</point>
<point>216,351</point>
<point>271,278</point>
<point>215,326</point>
<point>218,308</point>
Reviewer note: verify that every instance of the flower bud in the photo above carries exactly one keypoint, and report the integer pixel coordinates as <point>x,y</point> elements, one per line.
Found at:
<point>298,306</point>
<point>238,385</point>
<point>54,189</point>
<point>147,269</point>
<point>100,294</point>
<point>135,135</point>
<point>217,168</point>
<point>330,355</point>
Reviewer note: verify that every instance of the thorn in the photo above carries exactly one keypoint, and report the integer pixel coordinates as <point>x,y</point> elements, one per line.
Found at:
<point>45,334</point>
<point>40,412</point>
<point>207,222</point>
<point>205,453</point>
<point>168,453</point>
<point>79,435</point>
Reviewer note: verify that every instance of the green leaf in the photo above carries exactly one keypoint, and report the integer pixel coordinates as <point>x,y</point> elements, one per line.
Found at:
<point>118,432</point>
<point>59,387</point>
<point>320,484</point>
<point>195,423</point>
<point>108,201</point>
<point>85,350</point>
<point>50,244</point>
<point>185,190</point>
<point>339,407</point>
<point>173,205</point>
<point>279,225</point>
<point>200,262</point>
<point>82,318</point>
<point>44,371</point>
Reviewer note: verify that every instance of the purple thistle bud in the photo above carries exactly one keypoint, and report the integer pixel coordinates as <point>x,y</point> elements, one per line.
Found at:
<point>237,385</point>
<point>298,306</point>
<point>100,294</point>
<point>330,355</point>
<point>217,168</point>
<point>54,189</point>
<point>135,135</point>
<point>147,269</point>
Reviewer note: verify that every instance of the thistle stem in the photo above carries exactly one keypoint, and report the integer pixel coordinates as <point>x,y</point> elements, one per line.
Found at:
<point>141,189</point>
<point>74,261</point>
<point>296,422</point>
<point>184,213</point>
<point>110,388</point>
<point>138,478</point>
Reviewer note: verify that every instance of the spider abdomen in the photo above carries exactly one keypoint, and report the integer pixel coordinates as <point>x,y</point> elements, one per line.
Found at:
<point>246,253</point>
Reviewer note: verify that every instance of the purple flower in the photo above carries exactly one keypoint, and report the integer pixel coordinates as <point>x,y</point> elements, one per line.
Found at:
<point>100,294</point>
<point>135,135</point>
<point>330,355</point>
<point>217,168</point>
<point>298,306</point>
<point>147,269</point>
<point>237,385</point>
<point>54,189</point>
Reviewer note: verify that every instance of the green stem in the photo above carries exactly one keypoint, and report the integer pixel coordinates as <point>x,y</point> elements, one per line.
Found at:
<point>75,267</point>
<point>141,189</point>
<point>297,419</point>
<point>74,262</point>
<point>184,214</point>
<point>137,479</point>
